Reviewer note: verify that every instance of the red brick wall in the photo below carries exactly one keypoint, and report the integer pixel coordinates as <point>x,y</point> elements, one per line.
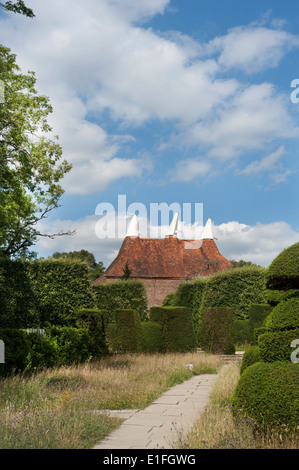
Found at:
<point>157,289</point>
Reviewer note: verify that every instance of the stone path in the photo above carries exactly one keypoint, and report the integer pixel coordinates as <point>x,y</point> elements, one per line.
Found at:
<point>159,425</point>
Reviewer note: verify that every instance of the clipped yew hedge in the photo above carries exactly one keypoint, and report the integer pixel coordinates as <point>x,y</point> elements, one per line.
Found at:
<point>152,338</point>
<point>235,288</point>
<point>127,331</point>
<point>177,327</point>
<point>216,332</point>
<point>268,394</point>
<point>42,292</point>
<point>118,295</point>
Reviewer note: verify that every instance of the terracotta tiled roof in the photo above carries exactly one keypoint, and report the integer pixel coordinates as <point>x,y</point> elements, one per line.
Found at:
<point>166,258</point>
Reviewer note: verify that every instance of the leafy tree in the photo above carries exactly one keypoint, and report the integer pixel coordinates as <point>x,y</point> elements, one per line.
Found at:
<point>126,272</point>
<point>242,263</point>
<point>96,269</point>
<point>17,7</point>
<point>30,161</point>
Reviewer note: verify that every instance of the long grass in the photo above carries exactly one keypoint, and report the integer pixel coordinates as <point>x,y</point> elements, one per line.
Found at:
<point>52,409</point>
<point>217,429</point>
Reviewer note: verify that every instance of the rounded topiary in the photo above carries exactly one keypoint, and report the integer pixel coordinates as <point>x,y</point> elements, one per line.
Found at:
<point>276,296</point>
<point>283,272</point>
<point>285,315</point>
<point>268,393</point>
<point>251,356</point>
<point>275,345</point>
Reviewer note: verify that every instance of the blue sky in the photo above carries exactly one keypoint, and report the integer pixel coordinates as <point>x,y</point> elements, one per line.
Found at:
<point>183,101</point>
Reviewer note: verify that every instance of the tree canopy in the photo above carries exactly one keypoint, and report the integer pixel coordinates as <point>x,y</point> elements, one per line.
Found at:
<point>17,7</point>
<point>30,160</point>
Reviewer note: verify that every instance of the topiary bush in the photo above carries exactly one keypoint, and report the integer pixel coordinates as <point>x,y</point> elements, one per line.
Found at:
<point>251,356</point>
<point>177,328</point>
<point>216,333</point>
<point>268,394</point>
<point>127,331</point>
<point>283,272</point>
<point>276,345</point>
<point>43,352</point>
<point>285,315</point>
<point>276,296</point>
<point>152,338</point>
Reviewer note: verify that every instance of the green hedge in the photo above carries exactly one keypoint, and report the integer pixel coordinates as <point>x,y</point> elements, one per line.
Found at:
<point>117,295</point>
<point>152,338</point>
<point>37,293</point>
<point>235,288</point>
<point>216,334</point>
<point>276,345</point>
<point>128,331</point>
<point>251,356</point>
<point>177,328</point>
<point>242,332</point>
<point>62,287</point>
<point>268,394</point>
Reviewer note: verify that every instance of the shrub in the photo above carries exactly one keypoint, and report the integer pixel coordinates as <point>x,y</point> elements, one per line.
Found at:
<point>251,356</point>
<point>117,295</point>
<point>216,329</point>
<point>17,348</point>
<point>152,337</point>
<point>268,394</point>
<point>285,315</point>
<point>283,272</point>
<point>235,288</point>
<point>276,345</point>
<point>42,352</point>
<point>72,344</point>
<point>177,328</point>
<point>169,300</point>
<point>128,331</point>
<point>94,321</point>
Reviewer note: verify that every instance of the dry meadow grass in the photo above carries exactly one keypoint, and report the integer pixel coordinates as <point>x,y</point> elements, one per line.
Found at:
<point>51,409</point>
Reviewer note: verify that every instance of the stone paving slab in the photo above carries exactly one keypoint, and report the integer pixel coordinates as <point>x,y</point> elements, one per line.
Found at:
<point>160,424</point>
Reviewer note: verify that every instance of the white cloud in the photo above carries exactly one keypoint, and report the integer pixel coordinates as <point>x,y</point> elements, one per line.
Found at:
<point>252,48</point>
<point>97,56</point>
<point>189,169</point>
<point>267,163</point>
